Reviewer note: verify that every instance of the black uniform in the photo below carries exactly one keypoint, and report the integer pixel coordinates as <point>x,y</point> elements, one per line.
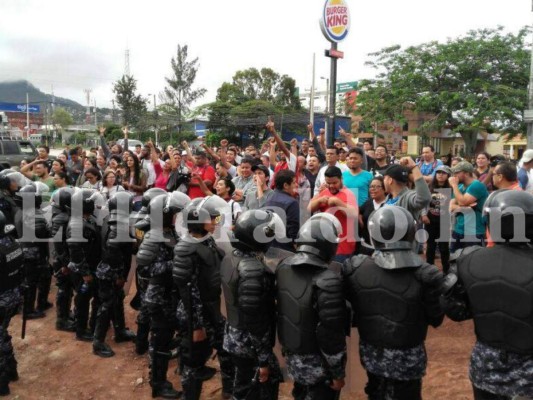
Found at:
<point>154,260</point>
<point>112,273</point>
<point>249,292</point>
<point>60,219</point>
<point>84,258</point>
<point>495,288</point>
<point>196,274</point>
<point>30,224</point>
<point>11,276</point>
<point>311,324</point>
<point>392,311</point>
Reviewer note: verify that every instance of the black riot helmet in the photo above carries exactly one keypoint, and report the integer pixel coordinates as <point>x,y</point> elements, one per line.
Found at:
<point>509,215</point>
<point>392,228</point>
<point>166,207</point>
<point>61,199</point>
<point>148,196</point>
<point>9,177</point>
<point>34,191</point>
<point>203,210</point>
<point>86,198</point>
<point>320,236</point>
<point>120,206</point>
<point>255,229</point>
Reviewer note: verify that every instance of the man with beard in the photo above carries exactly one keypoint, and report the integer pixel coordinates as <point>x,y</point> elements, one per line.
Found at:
<point>341,202</point>
<point>311,172</point>
<point>381,164</point>
<point>505,176</point>
<point>469,195</point>
<point>356,178</point>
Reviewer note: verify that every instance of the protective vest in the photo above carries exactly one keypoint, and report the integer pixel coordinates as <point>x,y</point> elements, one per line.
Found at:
<point>388,306</point>
<point>40,229</point>
<point>499,286</point>
<point>248,292</point>
<point>297,317</point>
<point>11,265</point>
<point>206,259</point>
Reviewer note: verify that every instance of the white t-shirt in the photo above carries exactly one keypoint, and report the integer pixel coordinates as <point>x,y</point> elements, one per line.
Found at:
<point>235,209</point>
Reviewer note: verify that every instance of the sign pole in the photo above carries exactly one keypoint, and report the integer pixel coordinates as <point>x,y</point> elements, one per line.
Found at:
<point>332,96</point>
<point>312,101</point>
<point>27,115</point>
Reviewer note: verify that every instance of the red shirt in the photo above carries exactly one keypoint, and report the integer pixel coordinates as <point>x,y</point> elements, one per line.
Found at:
<point>207,173</point>
<point>161,179</point>
<point>347,238</point>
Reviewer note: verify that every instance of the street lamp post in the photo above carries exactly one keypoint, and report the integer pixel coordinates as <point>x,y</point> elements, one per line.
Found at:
<point>156,118</point>
<point>327,105</point>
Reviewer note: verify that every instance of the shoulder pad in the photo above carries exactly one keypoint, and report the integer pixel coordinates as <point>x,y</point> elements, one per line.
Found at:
<point>250,267</point>
<point>329,281</point>
<point>463,252</point>
<point>147,252</point>
<point>60,219</point>
<point>184,248</point>
<point>143,224</point>
<point>351,264</point>
<point>429,274</point>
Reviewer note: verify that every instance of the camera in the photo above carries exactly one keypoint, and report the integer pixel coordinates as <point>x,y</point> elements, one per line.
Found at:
<point>495,160</point>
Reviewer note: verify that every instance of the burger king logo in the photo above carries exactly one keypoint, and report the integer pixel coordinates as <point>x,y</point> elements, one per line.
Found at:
<point>335,22</point>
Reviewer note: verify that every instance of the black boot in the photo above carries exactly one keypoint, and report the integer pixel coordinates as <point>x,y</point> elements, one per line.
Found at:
<point>141,341</point>
<point>125,335</point>
<point>160,386</point>
<point>43,286</point>
<point>102,349</point>
<point>4,384</point>
<point>84,335</point>
<point>192,390</point>
<point>65,325</point>
<point>12,373</point>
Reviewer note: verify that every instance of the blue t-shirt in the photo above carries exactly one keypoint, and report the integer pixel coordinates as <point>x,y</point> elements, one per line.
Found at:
<point>358,184</point>
<point>429,169</point>
<point>475,219</point>
<point>523,178</point>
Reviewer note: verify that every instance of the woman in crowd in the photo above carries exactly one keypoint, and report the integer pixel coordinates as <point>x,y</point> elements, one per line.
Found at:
<point>438,213</point>
<point>134,180</point>
<point>92,179</point>
<point>482,171</point>
<point>377,199</point>
<point>101,163</point>
<point>162,173</point>
<point>109,184</point>
<point>88,163</point>
<point>58,166</point>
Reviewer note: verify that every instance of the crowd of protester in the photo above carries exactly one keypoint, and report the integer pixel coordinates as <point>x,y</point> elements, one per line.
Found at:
<point>348,179</point>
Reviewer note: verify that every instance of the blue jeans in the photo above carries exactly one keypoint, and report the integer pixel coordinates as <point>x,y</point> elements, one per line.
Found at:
<point>340,258</point>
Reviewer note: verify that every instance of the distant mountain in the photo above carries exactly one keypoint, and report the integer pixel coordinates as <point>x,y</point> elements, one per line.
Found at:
<point>15,92</point>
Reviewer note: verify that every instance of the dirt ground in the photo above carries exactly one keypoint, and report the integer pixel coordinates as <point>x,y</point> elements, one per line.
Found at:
<point>52,365</point>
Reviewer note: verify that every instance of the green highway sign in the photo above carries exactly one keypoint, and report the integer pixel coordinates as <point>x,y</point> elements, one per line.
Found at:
<point>346,87</point>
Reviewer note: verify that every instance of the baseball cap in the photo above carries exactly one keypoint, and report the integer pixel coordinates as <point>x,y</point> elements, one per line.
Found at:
<point>262,168</point>
<point>527,156</point>
<point>397,172</point>
<point>444,168</point>
<point>184,153</point>
<point>463,166</point>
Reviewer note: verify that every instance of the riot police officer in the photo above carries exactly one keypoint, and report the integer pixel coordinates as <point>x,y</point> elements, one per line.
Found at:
<point>11,276</point>
<point>249,292</point>
<point>61,203</point>
<point>142,225</point>
<point>31,224</point>
<point>10,183</point>
<point>83,239</point>
<point>196,274</point>
<point>112,273</point>
<point>155,257</point>
<point>495,289</point>
<point>394,297</point>
<point>312,311</point>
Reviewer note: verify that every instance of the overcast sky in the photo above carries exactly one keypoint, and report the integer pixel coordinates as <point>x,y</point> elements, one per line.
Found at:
<point>76,45</point>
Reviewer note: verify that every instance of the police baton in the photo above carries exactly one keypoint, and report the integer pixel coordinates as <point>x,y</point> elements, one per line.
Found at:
<point>24,289</point>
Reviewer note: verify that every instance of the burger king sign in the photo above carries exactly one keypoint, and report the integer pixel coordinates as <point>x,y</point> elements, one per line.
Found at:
<point>335,21</point>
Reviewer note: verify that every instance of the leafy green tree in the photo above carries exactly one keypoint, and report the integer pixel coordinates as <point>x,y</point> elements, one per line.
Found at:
<point>62,118</point>
<point>472,84</point>
<point>179,95</point>
<point>132,105</point>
